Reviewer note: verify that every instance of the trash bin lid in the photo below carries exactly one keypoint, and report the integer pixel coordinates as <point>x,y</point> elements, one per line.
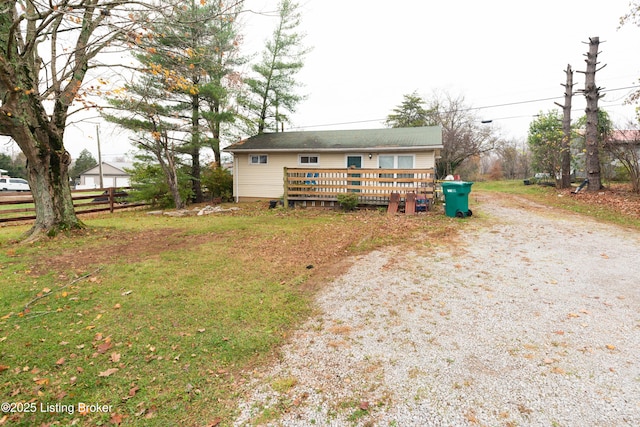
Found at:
<point>456,183</point>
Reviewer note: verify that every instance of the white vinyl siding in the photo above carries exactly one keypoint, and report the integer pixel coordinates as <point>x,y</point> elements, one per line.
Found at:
<point>266,182</point>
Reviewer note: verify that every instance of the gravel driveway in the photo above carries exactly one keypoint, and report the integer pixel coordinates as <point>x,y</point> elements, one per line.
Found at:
<point>532,319</point>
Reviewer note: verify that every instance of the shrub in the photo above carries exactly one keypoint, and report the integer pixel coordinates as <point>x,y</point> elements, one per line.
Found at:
<point>219,182</point>
<point>348,201</point>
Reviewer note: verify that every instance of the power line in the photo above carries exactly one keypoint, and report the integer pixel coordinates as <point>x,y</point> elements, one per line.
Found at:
<point>508,104</point>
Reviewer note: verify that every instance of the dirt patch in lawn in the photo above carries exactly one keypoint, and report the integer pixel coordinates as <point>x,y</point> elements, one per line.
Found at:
<point>315,248</point>
<point>113,247</point>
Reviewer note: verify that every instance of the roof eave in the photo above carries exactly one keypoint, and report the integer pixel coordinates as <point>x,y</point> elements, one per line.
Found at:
<point>332,150</point>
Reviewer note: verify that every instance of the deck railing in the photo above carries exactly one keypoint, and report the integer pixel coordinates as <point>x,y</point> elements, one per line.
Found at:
<point>372,186</point>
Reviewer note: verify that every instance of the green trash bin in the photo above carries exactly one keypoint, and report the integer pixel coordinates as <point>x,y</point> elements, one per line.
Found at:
<point>456,198</point>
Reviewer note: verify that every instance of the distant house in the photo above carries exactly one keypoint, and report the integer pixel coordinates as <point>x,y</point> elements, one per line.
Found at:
<point>625,138</point>
<point>114,174</point>
<point>263,164</point>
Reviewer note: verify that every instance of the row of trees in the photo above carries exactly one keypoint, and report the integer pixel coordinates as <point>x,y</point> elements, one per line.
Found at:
<point>190,84</point>
<point>616,147</point>
<point>189,92</point>
<point>472,148</point>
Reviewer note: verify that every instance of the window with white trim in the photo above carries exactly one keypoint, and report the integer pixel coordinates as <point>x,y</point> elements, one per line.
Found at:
<point>308,159</point>
<point>258,159</point>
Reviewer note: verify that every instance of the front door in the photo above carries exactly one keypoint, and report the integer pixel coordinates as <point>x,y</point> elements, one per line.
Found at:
<point>354,162</point>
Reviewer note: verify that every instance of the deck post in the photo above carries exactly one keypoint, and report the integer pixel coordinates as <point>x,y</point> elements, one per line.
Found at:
<point>285,196</point>
<point>112,197</point>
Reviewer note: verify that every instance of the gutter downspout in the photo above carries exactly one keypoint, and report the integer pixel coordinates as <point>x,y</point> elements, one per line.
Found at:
<point>235,178</point>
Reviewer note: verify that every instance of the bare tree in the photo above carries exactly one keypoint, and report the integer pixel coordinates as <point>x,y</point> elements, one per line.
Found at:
<point>565,168</point>
<point>592,94</point>
<point>463,134</point>
<point>624,146</point>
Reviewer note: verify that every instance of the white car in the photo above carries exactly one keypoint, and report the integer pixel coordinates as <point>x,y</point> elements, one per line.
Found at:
<point>14,184</point>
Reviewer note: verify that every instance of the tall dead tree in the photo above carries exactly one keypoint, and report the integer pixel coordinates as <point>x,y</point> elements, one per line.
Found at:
<point>592,95</point>
<point>565,161</point>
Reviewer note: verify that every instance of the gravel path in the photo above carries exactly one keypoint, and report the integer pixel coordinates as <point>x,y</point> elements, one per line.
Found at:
<point>533,319</point>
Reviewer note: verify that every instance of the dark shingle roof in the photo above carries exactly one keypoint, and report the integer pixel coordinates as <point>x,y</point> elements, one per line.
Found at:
<point>344,140</point>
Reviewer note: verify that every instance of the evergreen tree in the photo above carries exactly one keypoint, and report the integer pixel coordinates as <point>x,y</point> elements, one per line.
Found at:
<point>84,162</point>
<point>187,65</point>
<point>272,90</point>
<point>411,113</point>
<point>142,109</point>
<point>198,47</point>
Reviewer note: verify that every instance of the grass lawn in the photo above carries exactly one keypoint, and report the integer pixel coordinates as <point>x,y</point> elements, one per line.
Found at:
<point>158,320</point>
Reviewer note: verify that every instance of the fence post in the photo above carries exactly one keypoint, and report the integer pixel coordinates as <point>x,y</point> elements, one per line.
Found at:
<point>111,199</point>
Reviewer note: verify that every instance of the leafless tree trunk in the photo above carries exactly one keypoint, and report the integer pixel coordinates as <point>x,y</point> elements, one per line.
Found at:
<point>592,94</point>
<point>565,167</point>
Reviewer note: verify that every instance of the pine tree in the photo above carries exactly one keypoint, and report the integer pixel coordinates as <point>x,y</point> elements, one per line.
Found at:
<point>272,90</point>
<point>410,113</point>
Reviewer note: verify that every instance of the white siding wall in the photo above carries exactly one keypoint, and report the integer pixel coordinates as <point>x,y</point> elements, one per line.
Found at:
<point>265,181</point>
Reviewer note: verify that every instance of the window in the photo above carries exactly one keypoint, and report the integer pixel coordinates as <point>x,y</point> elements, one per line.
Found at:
<point>258,159</point>
<point>386,162</point>
<point>405,162</point>
<point>395,162</point>
<point>390,161</point>
<point>308,159</point>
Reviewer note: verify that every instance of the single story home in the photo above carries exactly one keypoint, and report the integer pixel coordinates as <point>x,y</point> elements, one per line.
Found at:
<point>318,165</point>
<point>114,174</point>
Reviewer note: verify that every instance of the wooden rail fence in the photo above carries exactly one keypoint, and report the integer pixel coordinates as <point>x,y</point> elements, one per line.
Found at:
<point>85,201</point>
<point>372,186</point>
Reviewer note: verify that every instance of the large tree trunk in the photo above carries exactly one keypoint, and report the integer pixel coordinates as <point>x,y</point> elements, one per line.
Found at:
<point>48,176</point>
<point>592,94</point>
<point>565,181</point>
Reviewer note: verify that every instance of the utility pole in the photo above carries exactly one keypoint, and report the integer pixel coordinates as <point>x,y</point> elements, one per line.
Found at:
<point>592,94</point>
<point>565,149</point>
<point>99,157</point>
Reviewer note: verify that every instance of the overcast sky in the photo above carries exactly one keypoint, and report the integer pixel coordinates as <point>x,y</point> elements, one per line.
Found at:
<point>367,54</point>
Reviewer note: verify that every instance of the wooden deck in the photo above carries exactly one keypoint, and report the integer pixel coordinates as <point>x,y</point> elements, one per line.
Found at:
<point>372,186</point>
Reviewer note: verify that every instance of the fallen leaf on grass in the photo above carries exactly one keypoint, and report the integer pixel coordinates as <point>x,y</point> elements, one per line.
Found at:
<point>116,419</point>
<point>102,348</point>
<point>60,361</point>
<point>108,372</point>
<point>133,390</point>
<point>115,357</point>
<point>4,367</point>
<point>117,306</point>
